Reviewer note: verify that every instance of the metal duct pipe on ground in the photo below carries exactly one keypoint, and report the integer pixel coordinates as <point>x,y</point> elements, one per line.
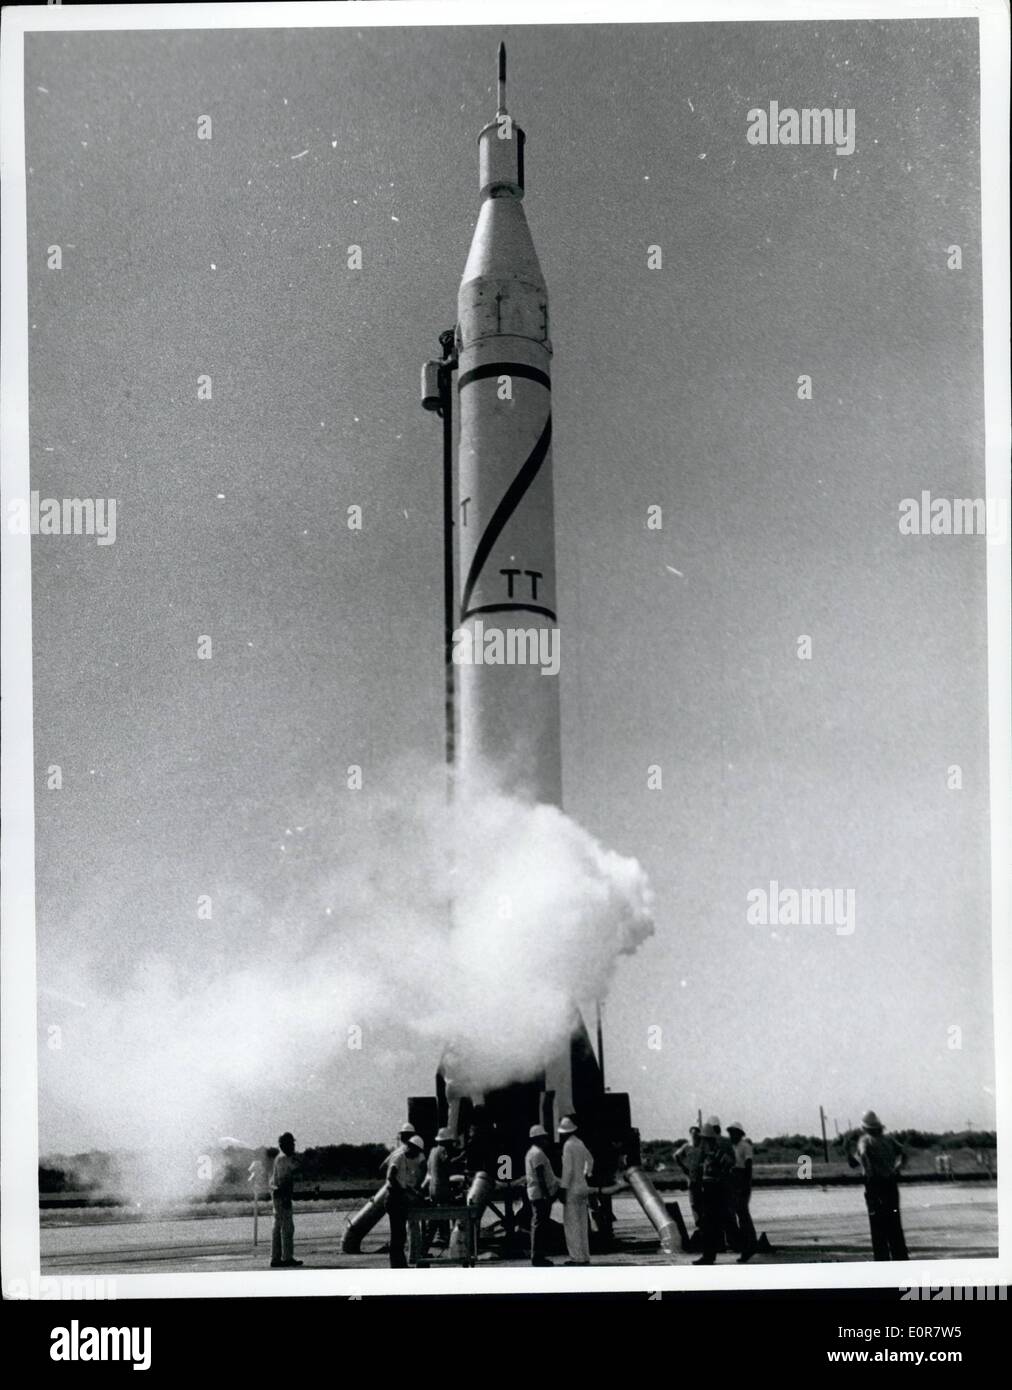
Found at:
<point>363,1221</point>
<point>650,1200</point>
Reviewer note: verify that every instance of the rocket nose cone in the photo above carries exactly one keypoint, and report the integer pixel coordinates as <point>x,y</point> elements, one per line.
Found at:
<point>502,246</point>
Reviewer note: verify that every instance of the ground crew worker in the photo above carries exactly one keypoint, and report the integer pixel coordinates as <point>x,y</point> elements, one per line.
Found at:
<point>406,1132</point>
<point>417,1144</point>
<point>716,1165</point>
<point>416,1229</point>
<point>577,1168</point>
<point>542,1190</point>
<point>401,1176</point>
<point>282,1194</point>
<point>880,1158</point>
<point>437,1185</point>
<point>689,1157</point>
<point>741,1191</point>
<point>729,1222</point>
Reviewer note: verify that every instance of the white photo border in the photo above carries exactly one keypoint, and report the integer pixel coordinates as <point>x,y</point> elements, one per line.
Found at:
<point>19,1219</point>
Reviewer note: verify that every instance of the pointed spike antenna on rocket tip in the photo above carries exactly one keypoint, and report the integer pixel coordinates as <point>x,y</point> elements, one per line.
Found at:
<point>502,79</point>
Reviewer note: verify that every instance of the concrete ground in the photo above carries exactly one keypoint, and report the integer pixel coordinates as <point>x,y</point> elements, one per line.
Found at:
<point>804,1225</point>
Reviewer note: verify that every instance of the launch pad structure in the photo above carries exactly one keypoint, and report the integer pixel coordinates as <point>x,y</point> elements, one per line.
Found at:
<point>498,516</point>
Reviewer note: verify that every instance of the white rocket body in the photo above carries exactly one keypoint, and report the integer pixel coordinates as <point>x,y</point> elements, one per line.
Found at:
<point>508,726</point>
<point>508,713</point>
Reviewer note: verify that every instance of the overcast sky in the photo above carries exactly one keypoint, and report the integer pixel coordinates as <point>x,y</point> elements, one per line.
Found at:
<point>675,387</point>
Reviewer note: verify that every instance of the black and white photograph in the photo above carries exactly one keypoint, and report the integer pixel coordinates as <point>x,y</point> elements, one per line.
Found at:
<point>505,655</point>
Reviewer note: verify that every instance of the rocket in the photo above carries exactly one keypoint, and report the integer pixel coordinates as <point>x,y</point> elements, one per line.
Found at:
<point>508,713</point>
<point>502,623</point>
<point>501,606</point>
<point>503,706</point>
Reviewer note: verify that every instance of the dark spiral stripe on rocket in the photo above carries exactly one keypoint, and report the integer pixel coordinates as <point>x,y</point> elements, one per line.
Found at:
<point>520,369</point>
<point>508,504</point>
<point>510,608</point>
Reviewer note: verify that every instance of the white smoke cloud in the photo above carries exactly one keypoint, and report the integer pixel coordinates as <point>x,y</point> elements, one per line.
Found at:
<point>541,913</point>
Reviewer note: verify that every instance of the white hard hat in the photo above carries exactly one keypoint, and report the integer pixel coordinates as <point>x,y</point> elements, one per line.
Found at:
<point>568,1126</point>
<point>445,1135</point>
<point>735,1125</point>
<point>538,1132</point>
<point>418,1141</point>
<point>406,1128</point>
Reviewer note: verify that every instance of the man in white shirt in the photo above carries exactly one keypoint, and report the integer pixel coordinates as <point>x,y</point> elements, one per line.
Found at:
<point>282,1194</point>
<point>542,1189</point>
<point>741,1190</point>
<point>403,1178</point>
<point>577,1168</point>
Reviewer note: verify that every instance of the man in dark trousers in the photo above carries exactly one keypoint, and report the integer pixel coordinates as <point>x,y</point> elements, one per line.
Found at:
<point>716,1166</point>
<point>880,1158</point>
<point>542,1189</point>
<point>741,1191</point>
<point>401,1175</point>
<point>729,1221</point>
<point>282,1194</point>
